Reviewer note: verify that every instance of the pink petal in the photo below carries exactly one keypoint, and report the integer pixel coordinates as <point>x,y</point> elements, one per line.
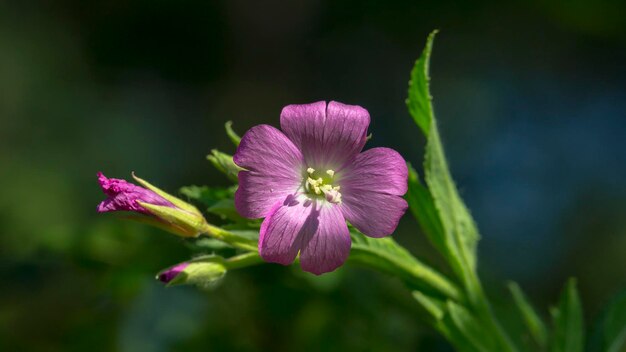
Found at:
<point>170,273</point>
<point>283,230</point>
<point>381,170</point>
<point>257,193</point>
<point>265,149</point>
<point>123,196</point>
<point>371,187</point>
<point>274,165</point>
<point>329,246</point>
<point>318,230</point>
<point>327,135</point>
<point>374,214</point>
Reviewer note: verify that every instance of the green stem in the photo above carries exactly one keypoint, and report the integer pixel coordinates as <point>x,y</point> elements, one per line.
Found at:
<point>416,275</point>
<point>243,260</point>
<point>230,238</point>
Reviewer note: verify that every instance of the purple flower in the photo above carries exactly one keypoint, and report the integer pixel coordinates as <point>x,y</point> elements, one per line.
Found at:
<point>124,196</point>
<point>307,181</point>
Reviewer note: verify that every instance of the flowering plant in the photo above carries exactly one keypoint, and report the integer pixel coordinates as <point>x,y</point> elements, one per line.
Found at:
<point>310,194</point>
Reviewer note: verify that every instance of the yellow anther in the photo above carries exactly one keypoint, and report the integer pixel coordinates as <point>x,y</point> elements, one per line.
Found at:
<point>330,173</point>
<point>310,170</point>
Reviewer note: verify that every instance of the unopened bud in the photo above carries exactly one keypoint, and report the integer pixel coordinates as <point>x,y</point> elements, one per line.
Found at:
<point>164,210</point>
<point>204,273</point>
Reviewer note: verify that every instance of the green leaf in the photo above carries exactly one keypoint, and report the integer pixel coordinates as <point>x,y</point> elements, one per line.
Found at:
<point>207,244</point>
<point>224,163</point>
<point>225,209</point>
<point>568,321</point>
<point>208,196</point>
<point>422,207</point>
<point>249,234</point>
<point>533,322</point>
<point>436,308</point>
<point>615,326</point>
<point>442,320</point>
<point>610,330</point>
<point>419,99</point>
<point>472,328</point>
<point>234,137</point>
<point>459,234</point>
<point>386,255</point>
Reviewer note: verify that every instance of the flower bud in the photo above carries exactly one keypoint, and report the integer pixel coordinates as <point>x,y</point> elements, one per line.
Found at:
<point>204,273</point>
<point>163,209</point>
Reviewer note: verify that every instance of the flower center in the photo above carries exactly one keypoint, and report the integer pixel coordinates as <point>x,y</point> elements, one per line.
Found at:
<point>322,185</point>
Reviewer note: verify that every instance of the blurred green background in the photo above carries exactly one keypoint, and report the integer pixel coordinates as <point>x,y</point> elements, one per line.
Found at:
<point>531,99</point>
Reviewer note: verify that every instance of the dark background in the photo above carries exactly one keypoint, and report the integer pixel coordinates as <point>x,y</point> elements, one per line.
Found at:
<point>531,99</point>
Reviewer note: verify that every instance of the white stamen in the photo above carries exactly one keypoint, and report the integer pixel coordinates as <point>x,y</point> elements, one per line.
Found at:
<point>330,173</point>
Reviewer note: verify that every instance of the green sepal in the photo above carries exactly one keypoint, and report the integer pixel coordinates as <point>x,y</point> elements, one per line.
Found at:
<point>234,137</point>
<point>161,224</point>
<point>179,203</point>
<point>190,224</point>
<point>224,163</point>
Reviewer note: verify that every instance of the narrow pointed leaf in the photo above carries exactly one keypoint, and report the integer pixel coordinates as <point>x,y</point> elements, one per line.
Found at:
<point>436,308</point>
<point>535,325</point>
<point>459,233</point>
<point>422,207</point>
<point>568,321</point>
<point>419,99</point>
<point>610,330</point>
<point>442,321</point>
